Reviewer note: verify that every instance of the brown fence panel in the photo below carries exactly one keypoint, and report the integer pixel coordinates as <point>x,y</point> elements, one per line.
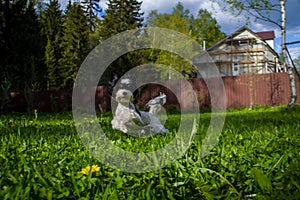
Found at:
<point>241,91</point>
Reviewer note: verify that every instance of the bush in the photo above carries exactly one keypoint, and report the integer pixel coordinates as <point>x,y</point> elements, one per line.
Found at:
<point>172,109</point>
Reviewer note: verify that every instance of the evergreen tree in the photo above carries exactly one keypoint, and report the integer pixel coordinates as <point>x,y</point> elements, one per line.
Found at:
<point>121,15</point>
<point>74,43</point>
<point>22,46</point>
<point>52,20</point>
<point>2,38</point>
<point>91,8</point>
<point>23,49</point>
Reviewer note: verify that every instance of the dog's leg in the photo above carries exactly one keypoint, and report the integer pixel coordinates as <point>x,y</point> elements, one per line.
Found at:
<point>136,115</point>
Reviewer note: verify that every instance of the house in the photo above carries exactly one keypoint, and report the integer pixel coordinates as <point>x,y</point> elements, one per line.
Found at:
<point>245,52</point>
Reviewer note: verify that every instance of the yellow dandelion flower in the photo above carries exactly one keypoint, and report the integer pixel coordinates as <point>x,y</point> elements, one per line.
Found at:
<point>95,168</point>
<point>86,170</point>
<point>255,132</point>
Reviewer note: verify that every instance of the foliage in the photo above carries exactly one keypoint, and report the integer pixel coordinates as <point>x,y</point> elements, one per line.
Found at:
<point>121,15</point>
<point>74,43</point>
<point>52,21</point>
<point>43,46</point>
<point>91,10</point>
<point>21,47</point>
<point>4,93</point>
<point>172,109</point>
<point>206,28</point>
<point>202,28</point>
<point>257,156</point>
<point>179,20</point>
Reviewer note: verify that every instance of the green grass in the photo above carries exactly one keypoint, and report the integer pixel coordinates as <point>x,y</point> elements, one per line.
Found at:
<point>257,157</point>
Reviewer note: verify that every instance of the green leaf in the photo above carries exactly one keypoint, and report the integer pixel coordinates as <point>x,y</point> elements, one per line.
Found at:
<point>176,184</point>
<point>262,179</point>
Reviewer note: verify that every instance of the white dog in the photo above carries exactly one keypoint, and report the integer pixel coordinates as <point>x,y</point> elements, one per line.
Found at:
<point>128,118</point>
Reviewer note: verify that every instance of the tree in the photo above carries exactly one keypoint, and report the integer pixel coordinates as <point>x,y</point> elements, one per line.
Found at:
<point>121,15</point>
<point>203,28</point>
<point>2,42</point>
<point>91,9</point>
<point>267,10</point>
<point>74,43</point>
<point>179,20</point>
<point>206,28</point>
<point>22,48</point>
<point>52,20</point>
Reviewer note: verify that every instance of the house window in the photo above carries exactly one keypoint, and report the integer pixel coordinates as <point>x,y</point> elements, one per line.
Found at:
<point>243,42</point>
<point>235,69</point>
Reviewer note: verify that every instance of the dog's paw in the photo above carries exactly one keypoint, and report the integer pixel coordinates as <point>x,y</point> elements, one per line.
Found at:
<point>124,129</point>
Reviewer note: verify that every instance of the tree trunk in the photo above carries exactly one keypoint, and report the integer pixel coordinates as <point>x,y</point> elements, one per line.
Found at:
<point>285,59</point>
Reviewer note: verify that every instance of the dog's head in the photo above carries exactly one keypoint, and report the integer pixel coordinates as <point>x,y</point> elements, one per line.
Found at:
<point>123,96</point>
<point>116,83</point>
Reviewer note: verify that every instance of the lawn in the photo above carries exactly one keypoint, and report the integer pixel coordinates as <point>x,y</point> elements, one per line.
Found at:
<point>257,157</point>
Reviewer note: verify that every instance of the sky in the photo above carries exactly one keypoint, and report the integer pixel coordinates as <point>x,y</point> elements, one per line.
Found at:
<point>230,23</point>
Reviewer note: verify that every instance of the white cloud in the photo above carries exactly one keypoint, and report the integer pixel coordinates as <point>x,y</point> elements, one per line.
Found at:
<point>295,52</point>
<point>228,22</point>
<point>294,33</point>
<point>160,6</point>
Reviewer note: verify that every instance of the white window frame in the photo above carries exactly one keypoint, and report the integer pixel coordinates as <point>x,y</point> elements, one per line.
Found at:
<point>235,69</point>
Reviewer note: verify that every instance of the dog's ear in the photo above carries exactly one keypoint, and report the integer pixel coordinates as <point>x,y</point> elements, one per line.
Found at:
<point>113,81</point>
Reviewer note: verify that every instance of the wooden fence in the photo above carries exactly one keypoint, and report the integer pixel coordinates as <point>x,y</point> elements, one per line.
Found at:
<point>241,91</point>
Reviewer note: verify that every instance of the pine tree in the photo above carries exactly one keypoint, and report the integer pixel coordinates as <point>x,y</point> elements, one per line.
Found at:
<point>52,20</point>
<point>94,13</point>
<point>2,39</point>
<point>74,43</point>
<point>91,8</point>
<point>21,49</point>
<point>23,46</point>
<point>121,15</point>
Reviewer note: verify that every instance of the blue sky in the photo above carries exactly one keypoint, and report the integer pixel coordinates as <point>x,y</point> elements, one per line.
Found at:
<point>230,23</point>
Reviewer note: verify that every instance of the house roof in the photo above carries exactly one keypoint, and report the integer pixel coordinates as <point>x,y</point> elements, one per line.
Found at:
<point>229,37</point>
<point>266,35</point>
<point>244,28</point>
